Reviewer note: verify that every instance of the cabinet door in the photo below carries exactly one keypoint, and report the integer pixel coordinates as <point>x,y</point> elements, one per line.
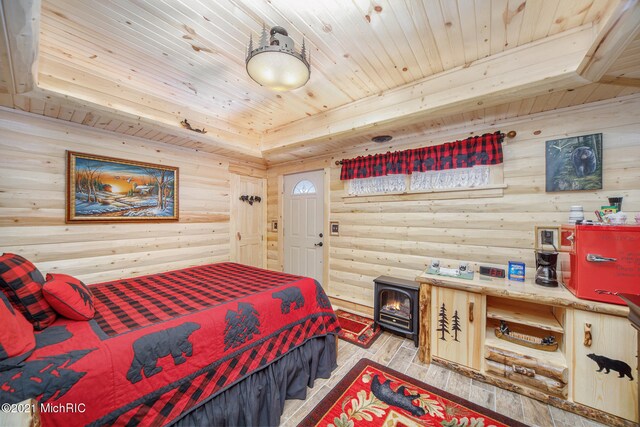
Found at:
<point>457,324</point>
<point>605,373</point>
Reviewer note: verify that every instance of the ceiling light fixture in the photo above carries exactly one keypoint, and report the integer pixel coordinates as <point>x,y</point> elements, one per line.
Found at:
<point>275,63</point>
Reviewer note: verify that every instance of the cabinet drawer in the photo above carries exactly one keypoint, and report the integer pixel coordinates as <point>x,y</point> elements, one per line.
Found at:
<point>541,374</point>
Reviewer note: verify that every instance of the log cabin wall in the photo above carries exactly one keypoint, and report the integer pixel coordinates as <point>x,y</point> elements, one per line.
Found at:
<point>395,237</point>
<point>32,203</point>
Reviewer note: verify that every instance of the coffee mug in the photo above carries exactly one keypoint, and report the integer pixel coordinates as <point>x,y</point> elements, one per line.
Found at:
<point>617,218</point>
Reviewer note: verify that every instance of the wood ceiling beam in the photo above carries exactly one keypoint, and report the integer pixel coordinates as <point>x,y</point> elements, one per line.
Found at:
<point>621,29</point>
<point>105,96</point>
<point>19,40</point>
<point>540,67</point>
<point>116,111</point>
<point>620,81</point>
<point>60,75</point>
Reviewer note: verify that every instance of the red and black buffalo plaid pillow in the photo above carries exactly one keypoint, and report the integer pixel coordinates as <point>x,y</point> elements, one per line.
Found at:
<point>22,283</point>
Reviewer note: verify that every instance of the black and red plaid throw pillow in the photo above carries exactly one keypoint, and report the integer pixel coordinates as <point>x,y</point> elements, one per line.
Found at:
<point>22,283</point>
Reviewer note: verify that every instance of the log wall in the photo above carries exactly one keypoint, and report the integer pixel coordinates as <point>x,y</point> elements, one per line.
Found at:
<point>395,236</point>
<point>32,203</point>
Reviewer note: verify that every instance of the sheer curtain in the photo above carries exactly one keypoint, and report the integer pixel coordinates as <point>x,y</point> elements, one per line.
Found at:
<point>476,176</point>
<point>378,185</point>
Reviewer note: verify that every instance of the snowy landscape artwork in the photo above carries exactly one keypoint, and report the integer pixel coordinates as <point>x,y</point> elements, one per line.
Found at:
<point>107,189</point>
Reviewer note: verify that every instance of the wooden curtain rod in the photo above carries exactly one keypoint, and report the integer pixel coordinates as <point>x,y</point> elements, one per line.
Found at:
<point>511,134</point>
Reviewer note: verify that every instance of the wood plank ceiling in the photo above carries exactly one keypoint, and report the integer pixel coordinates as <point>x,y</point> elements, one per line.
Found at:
<point>125,65</point>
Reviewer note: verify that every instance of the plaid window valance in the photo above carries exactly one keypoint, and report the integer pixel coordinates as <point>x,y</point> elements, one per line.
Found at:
<point>477,150</point>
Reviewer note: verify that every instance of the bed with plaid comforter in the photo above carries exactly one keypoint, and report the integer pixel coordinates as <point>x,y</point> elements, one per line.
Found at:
<point>163,344</point>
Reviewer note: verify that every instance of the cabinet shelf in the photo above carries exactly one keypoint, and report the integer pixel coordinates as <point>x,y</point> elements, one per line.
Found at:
<point>540,317</point>
<point>555,358</point>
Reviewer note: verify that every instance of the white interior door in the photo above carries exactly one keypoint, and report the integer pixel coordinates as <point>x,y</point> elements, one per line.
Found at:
<point>247,225</point>
<point>303,224</point>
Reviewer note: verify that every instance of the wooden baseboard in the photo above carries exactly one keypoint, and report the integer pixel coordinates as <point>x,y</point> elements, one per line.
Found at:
<point>576,408</point>
<point>351,306</point>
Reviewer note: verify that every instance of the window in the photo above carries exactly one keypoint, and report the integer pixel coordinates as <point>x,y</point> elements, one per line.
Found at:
<point>304,187</point>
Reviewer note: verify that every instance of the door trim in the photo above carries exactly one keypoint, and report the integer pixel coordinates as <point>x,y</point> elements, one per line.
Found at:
<point>325,226</point>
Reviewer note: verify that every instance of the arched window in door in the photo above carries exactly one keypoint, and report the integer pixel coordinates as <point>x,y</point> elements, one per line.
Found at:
<point>304,187</point>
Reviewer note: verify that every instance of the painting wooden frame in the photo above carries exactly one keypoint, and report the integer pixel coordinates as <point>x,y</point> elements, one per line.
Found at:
<point>574,164</point>
<point>106,189</point>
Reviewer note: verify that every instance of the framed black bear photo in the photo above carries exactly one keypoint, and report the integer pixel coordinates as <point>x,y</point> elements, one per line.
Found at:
<point>574,163</point>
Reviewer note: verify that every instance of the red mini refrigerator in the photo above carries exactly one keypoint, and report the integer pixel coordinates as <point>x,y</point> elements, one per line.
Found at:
<point>603,257</point>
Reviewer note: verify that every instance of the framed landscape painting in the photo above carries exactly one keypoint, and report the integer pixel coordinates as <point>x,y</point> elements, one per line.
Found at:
<point>104,189</point>
<point>574,163</point>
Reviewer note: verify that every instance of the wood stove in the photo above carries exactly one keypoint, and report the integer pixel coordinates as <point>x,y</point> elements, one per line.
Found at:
<point>396,306</point>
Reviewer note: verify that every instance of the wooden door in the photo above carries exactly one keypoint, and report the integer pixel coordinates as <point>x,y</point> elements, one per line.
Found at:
<point>603,368</point>
<point>248,221</point>
<point>304,224</point>
<point>457,326</point>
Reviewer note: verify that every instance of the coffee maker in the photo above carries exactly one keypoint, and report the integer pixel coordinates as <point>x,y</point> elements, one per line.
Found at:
<point>546,264</point>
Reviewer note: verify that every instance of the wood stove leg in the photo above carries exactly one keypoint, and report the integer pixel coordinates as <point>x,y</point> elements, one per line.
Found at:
<point>424,346</point>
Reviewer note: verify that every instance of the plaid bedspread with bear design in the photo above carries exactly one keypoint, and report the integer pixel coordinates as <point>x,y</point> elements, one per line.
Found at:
<point>162,344</point>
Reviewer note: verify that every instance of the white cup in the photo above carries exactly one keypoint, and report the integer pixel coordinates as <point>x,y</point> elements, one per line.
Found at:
<point>576,214</point>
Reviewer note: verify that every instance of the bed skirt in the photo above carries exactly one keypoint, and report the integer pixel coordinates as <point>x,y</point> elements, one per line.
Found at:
<point>258,400</point>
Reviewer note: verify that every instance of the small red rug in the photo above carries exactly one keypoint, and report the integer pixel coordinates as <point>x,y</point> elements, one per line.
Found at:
<point>373,395</point>
<point>356,329</point>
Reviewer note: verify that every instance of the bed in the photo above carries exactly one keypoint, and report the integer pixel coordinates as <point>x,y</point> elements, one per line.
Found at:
<point>220,344</point>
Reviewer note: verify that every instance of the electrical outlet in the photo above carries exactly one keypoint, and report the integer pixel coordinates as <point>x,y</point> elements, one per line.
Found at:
<point>547,236</point>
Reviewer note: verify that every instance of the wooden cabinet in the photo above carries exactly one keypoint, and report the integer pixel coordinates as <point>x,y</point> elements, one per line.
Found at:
<point>461,317</point>
<point>604,350</point>
<point>457,326</point>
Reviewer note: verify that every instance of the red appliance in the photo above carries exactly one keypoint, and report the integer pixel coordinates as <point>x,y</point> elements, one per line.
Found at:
<point>601,257</point>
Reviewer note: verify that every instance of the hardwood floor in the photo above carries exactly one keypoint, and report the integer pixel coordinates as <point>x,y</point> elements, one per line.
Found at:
<point>400,354</point>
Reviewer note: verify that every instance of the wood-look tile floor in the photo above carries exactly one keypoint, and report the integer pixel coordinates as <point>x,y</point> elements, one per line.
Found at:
<point>399,353</point>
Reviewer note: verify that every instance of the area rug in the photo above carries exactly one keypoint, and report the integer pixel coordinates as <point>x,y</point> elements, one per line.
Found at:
<point>374,395</point>
<point>356,329</point>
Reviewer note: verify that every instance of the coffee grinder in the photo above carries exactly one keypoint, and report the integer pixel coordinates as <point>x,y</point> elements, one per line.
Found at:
<point>546,262</point>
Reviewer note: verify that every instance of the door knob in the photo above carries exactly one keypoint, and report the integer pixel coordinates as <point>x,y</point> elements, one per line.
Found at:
<point>321,235</point>
<point>318,244</point>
